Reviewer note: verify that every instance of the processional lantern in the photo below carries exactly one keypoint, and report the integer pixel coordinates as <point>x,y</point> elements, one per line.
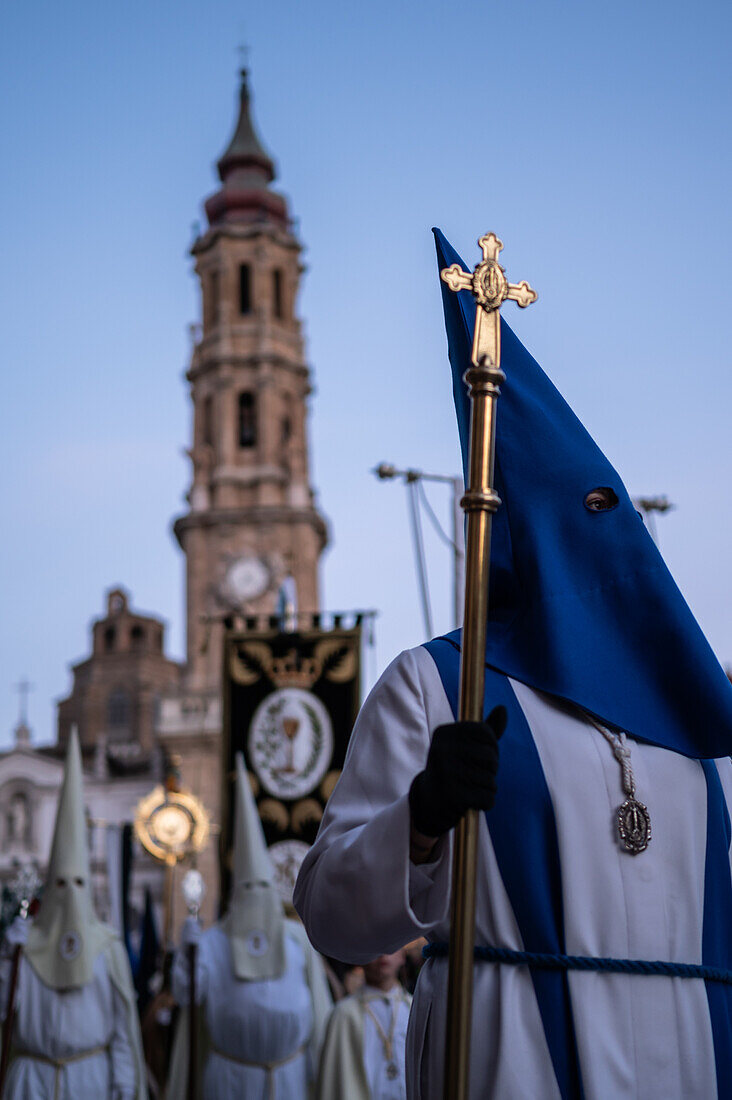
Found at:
<point>490,289</point>
<point>171,825</point>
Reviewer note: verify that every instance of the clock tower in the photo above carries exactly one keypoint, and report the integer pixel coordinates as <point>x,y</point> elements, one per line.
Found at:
<point>252,527</point>
<point>252,519</point>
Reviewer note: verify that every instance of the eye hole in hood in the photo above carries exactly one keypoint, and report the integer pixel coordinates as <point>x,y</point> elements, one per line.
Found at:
<point>602,499</point>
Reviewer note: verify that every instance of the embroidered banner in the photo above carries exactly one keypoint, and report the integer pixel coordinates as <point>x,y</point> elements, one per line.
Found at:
<point>290,702</point>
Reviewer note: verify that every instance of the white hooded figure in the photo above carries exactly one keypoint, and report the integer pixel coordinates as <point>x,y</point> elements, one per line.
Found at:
<point>261,987</point>
<point>76,1031</point>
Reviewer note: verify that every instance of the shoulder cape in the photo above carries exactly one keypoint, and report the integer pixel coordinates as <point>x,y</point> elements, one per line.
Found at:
<point>342,1071</point>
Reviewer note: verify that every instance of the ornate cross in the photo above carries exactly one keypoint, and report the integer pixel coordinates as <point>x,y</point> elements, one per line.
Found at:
<point>490,288</point>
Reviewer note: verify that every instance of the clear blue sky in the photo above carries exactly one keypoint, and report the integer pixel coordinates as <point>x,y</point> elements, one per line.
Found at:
<point>594,139</point>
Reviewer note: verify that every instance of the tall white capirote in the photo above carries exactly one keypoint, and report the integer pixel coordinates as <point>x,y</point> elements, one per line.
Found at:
<point>67,936</point>
<point>255,918</point>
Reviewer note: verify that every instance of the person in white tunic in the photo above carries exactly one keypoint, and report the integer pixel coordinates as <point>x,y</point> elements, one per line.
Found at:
<point>262,988</point>
<point>604,895</point>
<point>363,1054</point>
<point>76,1034</point>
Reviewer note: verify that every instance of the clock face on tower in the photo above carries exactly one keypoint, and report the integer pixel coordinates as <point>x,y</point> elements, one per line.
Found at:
<point>246,578</point>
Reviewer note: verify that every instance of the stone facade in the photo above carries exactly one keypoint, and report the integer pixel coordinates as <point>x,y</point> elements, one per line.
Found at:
<point>114,704</point>
<point>29,786</point>
<point>116,690</point>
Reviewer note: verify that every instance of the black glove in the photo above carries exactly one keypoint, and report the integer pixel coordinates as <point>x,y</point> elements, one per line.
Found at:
<point>460,774</point>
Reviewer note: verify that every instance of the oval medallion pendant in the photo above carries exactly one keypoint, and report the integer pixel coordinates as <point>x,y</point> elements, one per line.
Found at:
<point>634,826</point>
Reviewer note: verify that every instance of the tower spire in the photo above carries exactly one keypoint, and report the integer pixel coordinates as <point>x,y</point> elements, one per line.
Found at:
<point>245,170</point>
<point>245,151</point>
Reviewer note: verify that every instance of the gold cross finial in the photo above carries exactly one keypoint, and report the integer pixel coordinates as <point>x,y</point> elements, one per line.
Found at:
<point>490,288</point>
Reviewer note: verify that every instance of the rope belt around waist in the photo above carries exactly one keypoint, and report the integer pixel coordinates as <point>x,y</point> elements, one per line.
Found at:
<point>268,1066</point>
<point>59,1063</point>
<point>540,961</point>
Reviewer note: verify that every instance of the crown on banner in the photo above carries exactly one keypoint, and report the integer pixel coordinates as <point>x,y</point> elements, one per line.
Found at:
<point>293,670</point>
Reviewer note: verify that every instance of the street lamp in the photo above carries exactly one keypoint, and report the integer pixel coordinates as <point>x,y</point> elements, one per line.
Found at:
<point>385,471</point>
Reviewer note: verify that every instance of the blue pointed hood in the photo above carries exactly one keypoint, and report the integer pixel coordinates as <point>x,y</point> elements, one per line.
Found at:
<point>582,605</point>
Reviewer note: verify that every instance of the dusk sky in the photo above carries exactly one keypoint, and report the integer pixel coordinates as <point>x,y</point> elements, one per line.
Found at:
<point>592,138</point>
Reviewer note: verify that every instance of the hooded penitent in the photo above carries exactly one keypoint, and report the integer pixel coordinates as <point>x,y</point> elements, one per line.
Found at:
<point>255,919</point>
<point>582,605</point>
<point>66,936</point>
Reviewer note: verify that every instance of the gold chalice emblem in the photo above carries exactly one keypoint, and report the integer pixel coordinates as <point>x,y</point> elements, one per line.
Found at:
<point>290,727</point>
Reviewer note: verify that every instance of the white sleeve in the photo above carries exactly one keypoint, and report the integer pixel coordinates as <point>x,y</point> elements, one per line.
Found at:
<point>358,894</point>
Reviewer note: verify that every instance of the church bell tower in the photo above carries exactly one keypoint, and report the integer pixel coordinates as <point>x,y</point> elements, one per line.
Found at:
<point>252,519</point>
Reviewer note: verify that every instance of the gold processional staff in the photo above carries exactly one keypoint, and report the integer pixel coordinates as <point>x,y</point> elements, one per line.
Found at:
<point>490,288</point>
<point>172,824</point>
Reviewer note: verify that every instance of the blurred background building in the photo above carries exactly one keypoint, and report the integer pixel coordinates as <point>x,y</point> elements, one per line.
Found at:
<point>251,527</point>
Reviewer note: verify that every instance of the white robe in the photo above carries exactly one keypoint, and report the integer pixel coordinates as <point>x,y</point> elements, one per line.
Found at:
<point>354,1061</point>
<point>60,1024</point>
<point>360,896</point>
<point>257,1021</point>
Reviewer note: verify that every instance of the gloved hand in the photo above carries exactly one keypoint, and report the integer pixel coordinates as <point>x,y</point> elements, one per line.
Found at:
<point>191,931</point>
<point>18,931</point>
<point>460,774</point>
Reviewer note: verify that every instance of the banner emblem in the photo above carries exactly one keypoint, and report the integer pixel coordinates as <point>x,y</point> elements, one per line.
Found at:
<point>290,742</point>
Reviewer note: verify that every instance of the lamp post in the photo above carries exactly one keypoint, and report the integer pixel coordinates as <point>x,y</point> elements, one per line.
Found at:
<point>385,471</point>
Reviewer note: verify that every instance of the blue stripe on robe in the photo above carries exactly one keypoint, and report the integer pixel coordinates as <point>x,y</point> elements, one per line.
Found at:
<point>524,835</point>
<point>717,931</point>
